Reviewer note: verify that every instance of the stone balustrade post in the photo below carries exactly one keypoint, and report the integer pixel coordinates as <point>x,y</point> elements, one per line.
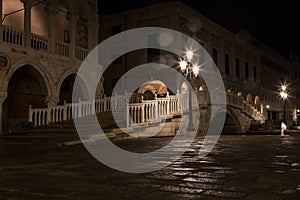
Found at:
<point>65,110</point>
<point>79,108</point>
<point>142,113</point>
<point>1,30</point>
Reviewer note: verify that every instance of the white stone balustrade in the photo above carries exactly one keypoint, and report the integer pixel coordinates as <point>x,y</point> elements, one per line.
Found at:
<point>139,113</point>
<point>17,37</point>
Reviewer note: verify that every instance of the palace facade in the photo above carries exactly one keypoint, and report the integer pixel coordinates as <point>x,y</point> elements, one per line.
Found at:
<point>42,45</point>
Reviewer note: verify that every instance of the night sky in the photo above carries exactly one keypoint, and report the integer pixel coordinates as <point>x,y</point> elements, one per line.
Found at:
<point>273,22</point>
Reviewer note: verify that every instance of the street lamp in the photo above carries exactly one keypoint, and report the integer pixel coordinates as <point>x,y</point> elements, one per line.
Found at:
<point>284,95</point>
<point>188,69</point>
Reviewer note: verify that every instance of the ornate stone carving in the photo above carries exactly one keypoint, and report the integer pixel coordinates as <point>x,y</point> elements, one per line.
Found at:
<point>3,62</point>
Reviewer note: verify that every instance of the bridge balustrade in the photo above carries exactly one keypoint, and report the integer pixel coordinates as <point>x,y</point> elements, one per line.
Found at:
<point>138,111</point>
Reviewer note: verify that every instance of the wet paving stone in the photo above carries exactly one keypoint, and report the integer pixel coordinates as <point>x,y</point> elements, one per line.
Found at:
<point>239,167</point>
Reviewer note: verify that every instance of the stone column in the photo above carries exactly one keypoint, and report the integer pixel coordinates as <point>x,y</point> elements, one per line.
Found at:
<point>73,24</point>
<point>2,99</point>
<point>92,34</point>
<point>27,23</point>
<point>52,11</point>
<point>1,21</point>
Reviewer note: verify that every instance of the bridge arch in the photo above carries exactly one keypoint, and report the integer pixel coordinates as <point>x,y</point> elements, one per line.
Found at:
<point>232,123</point>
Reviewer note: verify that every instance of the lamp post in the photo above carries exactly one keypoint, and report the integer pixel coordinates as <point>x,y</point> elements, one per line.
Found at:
<point>283,95</point>
<point>189,70</point>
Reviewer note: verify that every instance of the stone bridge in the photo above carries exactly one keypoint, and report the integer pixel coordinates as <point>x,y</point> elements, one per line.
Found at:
<point>132,112</point>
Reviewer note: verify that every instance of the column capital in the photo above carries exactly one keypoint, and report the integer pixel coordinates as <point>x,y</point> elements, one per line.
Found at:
<point>27,3</point>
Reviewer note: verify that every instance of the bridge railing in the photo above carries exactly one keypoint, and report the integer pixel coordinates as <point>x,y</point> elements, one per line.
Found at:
<point>248,109</point>
<point>138,111</point>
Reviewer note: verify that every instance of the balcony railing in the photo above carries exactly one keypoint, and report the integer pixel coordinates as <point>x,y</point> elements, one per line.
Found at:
<point>17,37</point>
<point>12,36</point>
<point>62,48</point>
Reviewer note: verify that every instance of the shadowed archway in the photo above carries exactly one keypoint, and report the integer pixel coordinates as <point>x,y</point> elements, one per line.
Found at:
<point>231,124</point>
<point>26,87</point>
<point>66,89</point>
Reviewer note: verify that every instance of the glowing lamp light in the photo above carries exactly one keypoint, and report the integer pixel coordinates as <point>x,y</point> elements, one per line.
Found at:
<point>189,55</point>
<point>196,69</point>
<point>183,65</point>
<point>283,88</point>
<point>283,94</point>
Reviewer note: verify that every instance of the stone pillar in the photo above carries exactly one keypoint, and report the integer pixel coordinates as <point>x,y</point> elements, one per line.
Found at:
<point>73,24</point>
<point>1,32</point>
<point>27,23</point>
<point>52,11</point>
<point>2,99</point>
<point>93,28</point>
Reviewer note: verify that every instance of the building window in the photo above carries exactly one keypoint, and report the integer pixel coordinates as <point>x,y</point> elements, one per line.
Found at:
<point>215,56</point>
<point>237,67</point>
<point>246,70</point>
<point>66,36</point>
<point>227,64</point>
<point>254,73</point>
<point>116,29</point>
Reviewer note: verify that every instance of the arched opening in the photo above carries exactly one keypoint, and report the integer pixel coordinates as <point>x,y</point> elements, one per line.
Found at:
<point>13,13</point>
<point>39,19</point>
<point>257,102</point>
<point>184,88</point>
<point>66,90</point>
<point>26,87</point>
<point>249,98</point>
<point>150,88</point>
<point>231,125</point>
<point>148,95</point>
